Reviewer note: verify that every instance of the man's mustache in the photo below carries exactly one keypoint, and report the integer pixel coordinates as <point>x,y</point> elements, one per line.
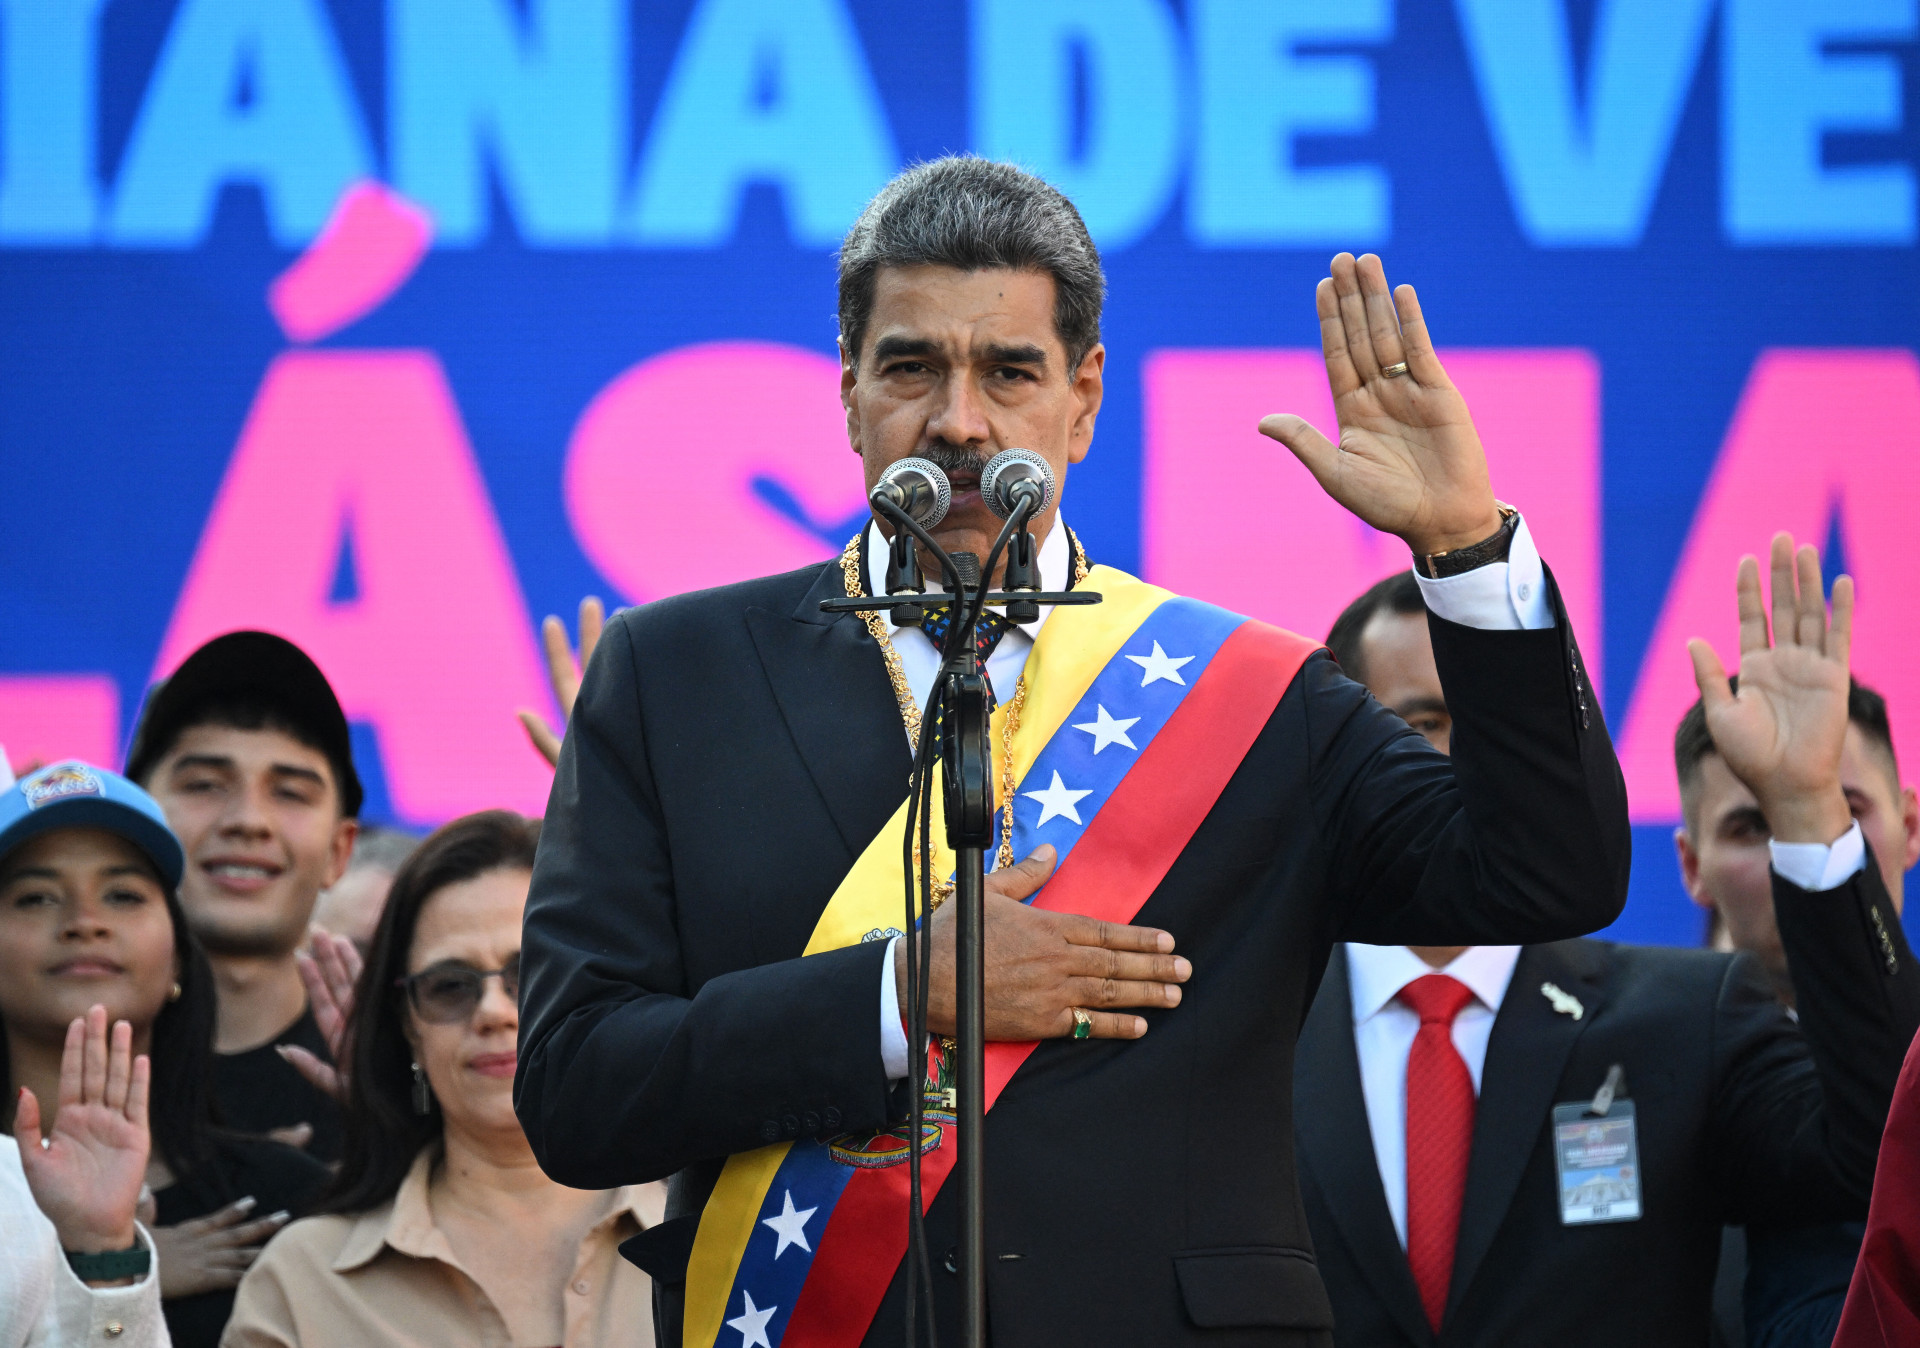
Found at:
<point>955,461</point>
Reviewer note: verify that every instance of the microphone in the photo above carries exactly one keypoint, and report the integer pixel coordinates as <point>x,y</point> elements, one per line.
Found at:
<point>916,487</point>
<point>1014,476</point>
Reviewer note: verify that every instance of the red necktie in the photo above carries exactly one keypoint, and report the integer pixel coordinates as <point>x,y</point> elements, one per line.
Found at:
<point>1439,1136</point>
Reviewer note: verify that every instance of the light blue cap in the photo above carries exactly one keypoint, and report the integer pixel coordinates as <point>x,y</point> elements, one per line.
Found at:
<point>72,794</point>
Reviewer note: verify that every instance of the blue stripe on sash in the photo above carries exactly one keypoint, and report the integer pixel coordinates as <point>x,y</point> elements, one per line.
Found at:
<point>809,1177</point>
<point>1128,703</point>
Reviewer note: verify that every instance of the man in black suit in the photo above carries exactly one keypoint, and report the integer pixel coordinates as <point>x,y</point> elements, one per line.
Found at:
<point>1738,1114</point>
<point>732,752</point>
<point>1783,1286</point>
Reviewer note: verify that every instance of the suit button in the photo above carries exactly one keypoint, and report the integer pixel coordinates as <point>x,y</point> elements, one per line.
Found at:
<point>810,1124</point>
<point>830,1119</point>
<point>769,1131</point>
<point>952,1261</point>
<point>790,1125</point>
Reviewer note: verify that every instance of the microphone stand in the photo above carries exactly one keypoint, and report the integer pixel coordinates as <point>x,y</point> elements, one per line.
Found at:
<point>966,753</point>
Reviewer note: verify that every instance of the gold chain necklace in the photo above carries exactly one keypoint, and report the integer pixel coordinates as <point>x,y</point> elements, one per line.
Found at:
<point>877,625</point>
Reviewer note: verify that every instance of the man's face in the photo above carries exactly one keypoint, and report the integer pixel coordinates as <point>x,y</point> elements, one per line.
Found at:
<point>1726,866</point>
<point>1397,658</point>
<point>957,366</point>
<point>1396,655</point>
<point>259,815</point>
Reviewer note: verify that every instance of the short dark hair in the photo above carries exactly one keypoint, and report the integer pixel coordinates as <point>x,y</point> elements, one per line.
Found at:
<point>384,1133</point>
<point>1692,741</point>
<point>1398,593</point>
<point>972,214</point>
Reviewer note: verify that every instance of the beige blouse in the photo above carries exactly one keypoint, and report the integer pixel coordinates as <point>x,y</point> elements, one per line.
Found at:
<point>389,1279</point>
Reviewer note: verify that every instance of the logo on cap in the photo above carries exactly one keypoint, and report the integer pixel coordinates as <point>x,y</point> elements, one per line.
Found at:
<point>60,782</point>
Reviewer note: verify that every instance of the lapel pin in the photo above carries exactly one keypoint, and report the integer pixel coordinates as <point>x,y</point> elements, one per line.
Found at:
<point>1563,1001</point>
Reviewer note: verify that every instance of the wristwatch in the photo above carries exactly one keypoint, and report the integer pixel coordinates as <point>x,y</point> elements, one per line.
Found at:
<point>111,1265</point>
<point>1439,565</point>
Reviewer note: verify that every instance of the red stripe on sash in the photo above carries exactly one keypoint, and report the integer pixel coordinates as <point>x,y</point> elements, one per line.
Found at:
<point>1119,861</point>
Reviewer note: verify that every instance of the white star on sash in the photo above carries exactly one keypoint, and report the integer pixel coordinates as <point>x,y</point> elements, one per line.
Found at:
<point>1106,730</point>
<point>791,1227</point>
<point>1059,801</point>
<point>753,1324</point>
<point>1160,665</point>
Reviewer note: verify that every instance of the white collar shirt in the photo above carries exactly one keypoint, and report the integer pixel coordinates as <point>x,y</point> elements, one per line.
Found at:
<point>920,662</point>
<point>1383,1033</point>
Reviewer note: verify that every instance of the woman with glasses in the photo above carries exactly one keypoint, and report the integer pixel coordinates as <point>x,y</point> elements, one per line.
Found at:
<point>440,1227</point>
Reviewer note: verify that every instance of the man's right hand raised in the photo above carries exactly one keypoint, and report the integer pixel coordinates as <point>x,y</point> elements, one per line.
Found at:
<point>1040,965</point>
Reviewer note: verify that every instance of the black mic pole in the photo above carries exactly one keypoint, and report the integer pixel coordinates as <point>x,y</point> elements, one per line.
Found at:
<point>966,752</point>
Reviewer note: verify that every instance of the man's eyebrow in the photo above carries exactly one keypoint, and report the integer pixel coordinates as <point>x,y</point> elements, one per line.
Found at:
<point>1003,353</point>
<point>1419,706</point>
<point>8,876</point>
<point>295,770</point>
<point>219,761</point>
<point>893,347</point>
<point>1744,814</point>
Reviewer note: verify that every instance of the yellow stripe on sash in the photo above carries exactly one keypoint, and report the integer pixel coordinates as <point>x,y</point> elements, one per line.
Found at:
<point>1074,646</point>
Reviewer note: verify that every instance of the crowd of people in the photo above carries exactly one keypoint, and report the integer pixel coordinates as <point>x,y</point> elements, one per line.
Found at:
<point>324,1022</point>
<point>260,1061</point>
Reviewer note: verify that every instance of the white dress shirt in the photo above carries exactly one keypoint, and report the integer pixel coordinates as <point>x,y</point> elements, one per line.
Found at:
<point>42,1305</point>
<point>1500,596</point>
<point>1383,1031</point>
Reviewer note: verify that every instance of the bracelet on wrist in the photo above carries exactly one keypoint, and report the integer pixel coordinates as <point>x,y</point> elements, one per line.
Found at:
<point>111,1265</point>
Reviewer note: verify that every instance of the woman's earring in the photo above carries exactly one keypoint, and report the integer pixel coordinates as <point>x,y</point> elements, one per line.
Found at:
<point>173,993</point>
<point>422,1096</point>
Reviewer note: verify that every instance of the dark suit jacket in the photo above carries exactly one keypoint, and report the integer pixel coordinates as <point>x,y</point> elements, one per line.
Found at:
<point>1742,1115</point>
<point>732,752</point>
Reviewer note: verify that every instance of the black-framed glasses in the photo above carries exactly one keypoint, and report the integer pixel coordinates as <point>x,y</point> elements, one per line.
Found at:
<point>448,992</point>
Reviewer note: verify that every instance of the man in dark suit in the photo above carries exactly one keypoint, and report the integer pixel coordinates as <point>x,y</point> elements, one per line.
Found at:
<point>1783,1286</point>
<point>732,752</point>
<point>1738,1114</point>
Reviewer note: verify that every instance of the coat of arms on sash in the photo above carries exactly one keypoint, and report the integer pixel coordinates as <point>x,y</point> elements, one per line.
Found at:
<point>877,1151</point>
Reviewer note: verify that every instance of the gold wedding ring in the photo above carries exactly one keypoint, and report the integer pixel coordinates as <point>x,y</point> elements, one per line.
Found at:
<point>1395,370</point>
<point>1082,1022</point>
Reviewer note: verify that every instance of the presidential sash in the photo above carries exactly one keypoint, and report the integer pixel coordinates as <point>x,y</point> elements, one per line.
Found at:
<point>1138,711</point>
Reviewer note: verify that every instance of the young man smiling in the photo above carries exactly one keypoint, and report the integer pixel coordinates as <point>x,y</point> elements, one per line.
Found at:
<point>246,749</point>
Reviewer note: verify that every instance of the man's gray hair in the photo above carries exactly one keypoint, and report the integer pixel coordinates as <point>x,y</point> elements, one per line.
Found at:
<point>971,214</point>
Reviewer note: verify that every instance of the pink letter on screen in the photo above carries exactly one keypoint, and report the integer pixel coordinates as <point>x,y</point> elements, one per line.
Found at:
<point>714,463</point>
<point>1816,432</point>
<point>370,246</point>
<point>47,717</point>
<point>436,650</point>
<point>1233,518</point>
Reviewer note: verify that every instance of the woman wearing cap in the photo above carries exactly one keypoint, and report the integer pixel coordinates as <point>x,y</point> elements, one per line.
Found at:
<point>443,1230</point>
<point>88,916</point>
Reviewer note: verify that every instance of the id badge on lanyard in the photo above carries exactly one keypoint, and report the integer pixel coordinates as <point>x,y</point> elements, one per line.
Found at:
<point>1596,1149</point>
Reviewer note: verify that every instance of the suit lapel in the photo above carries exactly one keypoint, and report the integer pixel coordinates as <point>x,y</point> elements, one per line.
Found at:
<point>831,685</point>
<point>1526,1055</point>
<point>1335,1149</point>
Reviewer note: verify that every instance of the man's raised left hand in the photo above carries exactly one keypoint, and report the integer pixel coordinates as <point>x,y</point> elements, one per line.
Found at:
<point>1783,733</point>
<point>1409,461</point>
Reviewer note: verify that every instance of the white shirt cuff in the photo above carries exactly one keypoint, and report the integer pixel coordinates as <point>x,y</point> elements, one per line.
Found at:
<point>1821,866</point>
<point>1498,597</point>
<point>110,1315</point>
<point>893,1035</point>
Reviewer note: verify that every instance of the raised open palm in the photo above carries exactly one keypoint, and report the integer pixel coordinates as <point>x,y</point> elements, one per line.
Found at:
<point>87,1178</point>
<point>1783,731</point>
<point>1409,460</point>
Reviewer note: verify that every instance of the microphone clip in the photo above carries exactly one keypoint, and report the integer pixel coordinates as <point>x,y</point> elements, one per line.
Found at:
<point>903,577</point>
<point>1021,575</point>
